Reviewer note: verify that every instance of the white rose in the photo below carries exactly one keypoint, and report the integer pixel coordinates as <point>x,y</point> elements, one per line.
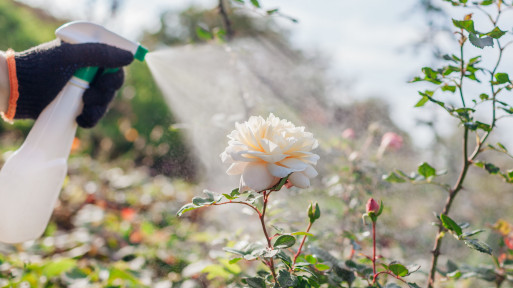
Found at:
<point>265,150</point>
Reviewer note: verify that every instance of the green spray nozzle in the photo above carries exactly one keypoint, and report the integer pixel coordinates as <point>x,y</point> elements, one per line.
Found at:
<point>140,53</point>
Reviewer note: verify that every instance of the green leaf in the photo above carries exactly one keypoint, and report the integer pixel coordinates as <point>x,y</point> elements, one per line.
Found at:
<point>502,147</point>
<point>393,178</point>
<point>255,282</point>
<point>479,246</point>
<point>269,253</point>
<point>496,33</point>
<point>57,267</point>
<point>234,251</point>
<point>492,169</point>
<point>76,274</point>
<point>284,258</point>
<point>455,274</point>
<point>431,76</point>
<point>252,197</point>
<point>284,241</point>
<point>210,198</point>
<point>480,42</point>
<point>422,101</point>
<point>467,25</point>
<point>322,267</point>
<point>302,233</point>
<point>255,3</point>
<point>449,88</point>
<point>314,212</point>
<point>203,33</point>
<point>310,259</point>
<point>116,273</point>
<point>413,285</point>
<point>448,58</point>
<point>483,96</point>
<point>234,260</point>
<point>474,60</point>
<point>185,208</point>
<point>479,164</point>
<point>470,234</point>
<point>442,104</point>
<point>426,170</point>
<point>502,78</point>
<point>483,126</point>
<point>510,174</point>
<point>285,279</point>
<point>199,201</point>
<point>229,197</point>
<point>398,269</point>
<point>508,110</point>
<point>450,225</point>
<point>486,2</point>
<point>280,184</point>
<point>272,11</point>
<point>233,195</point>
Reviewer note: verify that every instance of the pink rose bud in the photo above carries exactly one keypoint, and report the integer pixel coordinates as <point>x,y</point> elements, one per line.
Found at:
<point>392,140</point>
<point>348,134</point>
<point>372,206</point>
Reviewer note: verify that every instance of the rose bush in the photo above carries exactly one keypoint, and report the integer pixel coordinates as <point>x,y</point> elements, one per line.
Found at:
<point>265,150</point>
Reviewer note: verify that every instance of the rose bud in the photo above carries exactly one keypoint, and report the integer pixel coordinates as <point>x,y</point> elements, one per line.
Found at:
<point>372,206</point>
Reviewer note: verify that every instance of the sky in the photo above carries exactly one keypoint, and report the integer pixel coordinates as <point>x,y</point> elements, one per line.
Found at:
<point>370,44</point>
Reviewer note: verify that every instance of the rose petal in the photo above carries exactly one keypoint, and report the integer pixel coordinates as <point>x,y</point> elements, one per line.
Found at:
<point>242,186</point>
<point>299,180</point>
<point>257,177</point>
<point>269,146</point>
<point>278,171</point>
<point>307,157</point>
<point>310,172</point>
<point>294,164</point>
<point>244,156</point>
<point>236,168</point>
<point>272,158</point>
<point>225,157</point>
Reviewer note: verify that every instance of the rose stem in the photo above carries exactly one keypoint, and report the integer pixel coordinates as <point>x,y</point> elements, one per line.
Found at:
<point>269,244</point>
<point>374,249</point>
<point>301,245</point>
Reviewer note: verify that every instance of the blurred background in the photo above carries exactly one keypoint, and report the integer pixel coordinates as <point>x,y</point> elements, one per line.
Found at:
<point>340,68</point>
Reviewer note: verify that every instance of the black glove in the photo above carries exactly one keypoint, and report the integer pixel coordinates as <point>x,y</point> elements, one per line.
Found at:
<point>44,70</point>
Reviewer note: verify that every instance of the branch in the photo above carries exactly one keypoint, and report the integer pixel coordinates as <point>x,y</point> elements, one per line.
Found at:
<point>301,245</point>
<point>226,20</point>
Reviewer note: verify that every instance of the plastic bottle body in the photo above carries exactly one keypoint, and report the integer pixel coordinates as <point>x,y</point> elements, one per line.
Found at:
<point>31,179</point>
<point>34,174</point>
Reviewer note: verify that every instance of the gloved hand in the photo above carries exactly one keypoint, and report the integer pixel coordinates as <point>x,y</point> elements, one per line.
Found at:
<point>44,70</point>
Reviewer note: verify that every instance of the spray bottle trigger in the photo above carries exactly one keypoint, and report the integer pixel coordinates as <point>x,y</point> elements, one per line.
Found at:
<point>87,73</point>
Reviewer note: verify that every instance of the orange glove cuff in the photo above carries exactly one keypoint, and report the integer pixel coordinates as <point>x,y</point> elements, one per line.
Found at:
<point>13,84</point>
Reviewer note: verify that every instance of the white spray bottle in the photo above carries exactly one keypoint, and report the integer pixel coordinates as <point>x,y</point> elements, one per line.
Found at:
<point>31,179</point>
